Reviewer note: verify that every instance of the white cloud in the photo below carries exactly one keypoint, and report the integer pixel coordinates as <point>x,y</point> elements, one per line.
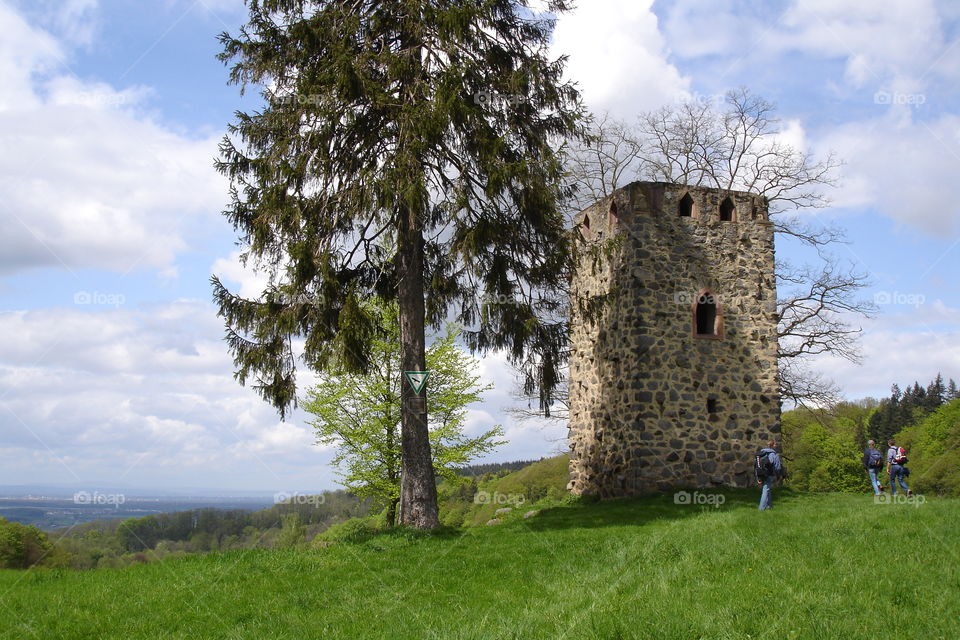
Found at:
<point>883,42</point>
<point>898,57</point>
<point>74,21</point>
<point>901,345</point>
<point>251,280</point>
<point>695,28</point>
<point>528,439</point>
<point>147,396</point>
<point>93,181</point>
<point>793,134</point>
<point>902,167</point>
<point>282,438</point>
<point>24,52</point>
<point>140,394</point>
<point>618,57</point>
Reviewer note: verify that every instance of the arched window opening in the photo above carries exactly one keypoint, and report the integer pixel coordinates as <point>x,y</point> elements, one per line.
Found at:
<point>585,227</point>
<point>685,208</point>
<point>706,315</point>
<point>727,210</point>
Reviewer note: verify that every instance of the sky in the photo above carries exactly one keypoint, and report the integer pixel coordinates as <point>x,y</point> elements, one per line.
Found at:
<point>113,372</point>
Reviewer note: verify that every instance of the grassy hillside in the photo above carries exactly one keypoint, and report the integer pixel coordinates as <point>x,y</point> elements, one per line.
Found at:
<point>817,566</point>
<point>474,501</point>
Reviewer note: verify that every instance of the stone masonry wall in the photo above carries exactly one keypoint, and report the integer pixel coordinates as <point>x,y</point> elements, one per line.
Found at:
<point>653,405</point>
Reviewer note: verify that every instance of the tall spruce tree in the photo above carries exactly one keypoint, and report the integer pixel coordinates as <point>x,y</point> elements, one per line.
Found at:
<point>406,150</point>
<point>936,393</point>
<point>952,392</point>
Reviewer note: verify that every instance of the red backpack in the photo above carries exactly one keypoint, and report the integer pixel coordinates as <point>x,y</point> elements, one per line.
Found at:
<point>901,457</point>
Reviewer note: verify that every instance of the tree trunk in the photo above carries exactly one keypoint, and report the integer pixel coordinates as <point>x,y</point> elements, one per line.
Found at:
<point>418,488</point>
<point>393,461</point>
<point>392,512</point>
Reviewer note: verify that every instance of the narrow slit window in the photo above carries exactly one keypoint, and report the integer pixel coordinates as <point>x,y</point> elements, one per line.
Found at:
<point>706,314</point>
<point>685,208</point>
<point>727,210</point>
<point>711,405</point>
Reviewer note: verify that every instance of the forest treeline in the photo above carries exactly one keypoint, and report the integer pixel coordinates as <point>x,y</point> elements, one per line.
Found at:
<point>475,470</point>
<point>906,408</point>
<point>117,543</point>
<point>823,447</point>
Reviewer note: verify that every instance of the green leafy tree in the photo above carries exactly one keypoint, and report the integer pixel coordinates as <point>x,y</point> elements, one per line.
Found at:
<point>21,546</point>
<point>360,413</point>
<point>407,149</point>
<point>934,448</point>
<point>823,451</point>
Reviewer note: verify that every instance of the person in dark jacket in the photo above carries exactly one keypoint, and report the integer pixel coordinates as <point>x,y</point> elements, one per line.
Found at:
<point>873,463</point>
<point>766,493</point>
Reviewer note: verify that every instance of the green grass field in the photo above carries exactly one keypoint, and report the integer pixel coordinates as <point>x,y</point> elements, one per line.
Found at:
<point>817,566</point>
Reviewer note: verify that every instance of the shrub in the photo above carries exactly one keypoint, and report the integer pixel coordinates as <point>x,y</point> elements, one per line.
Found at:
<point>352,530</point>
<point>22,546</point>
<point>934,450</point>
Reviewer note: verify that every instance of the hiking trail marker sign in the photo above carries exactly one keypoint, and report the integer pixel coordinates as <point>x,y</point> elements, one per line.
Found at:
<point>417,380</point>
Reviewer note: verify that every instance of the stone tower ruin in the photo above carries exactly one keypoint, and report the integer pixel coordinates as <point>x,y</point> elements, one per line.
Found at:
<point>673,383</point>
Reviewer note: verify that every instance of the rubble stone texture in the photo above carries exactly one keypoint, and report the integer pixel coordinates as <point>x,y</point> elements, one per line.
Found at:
<point>674,383</point>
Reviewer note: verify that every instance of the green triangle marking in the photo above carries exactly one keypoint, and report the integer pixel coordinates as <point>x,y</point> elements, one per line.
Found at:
<point>417,380</point>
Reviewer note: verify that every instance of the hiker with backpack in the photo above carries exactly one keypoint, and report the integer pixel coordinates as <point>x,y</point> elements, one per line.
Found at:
<point>767,467</point>
<point>873,463</point>
<point>896,465</point>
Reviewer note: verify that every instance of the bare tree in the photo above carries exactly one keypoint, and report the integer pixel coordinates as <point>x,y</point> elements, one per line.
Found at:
<point>806,387</point>
<point>610,159</point>
<point>559,412</point>
<point>740,146</point>
<point>812,309</point>
<point>683,144</point>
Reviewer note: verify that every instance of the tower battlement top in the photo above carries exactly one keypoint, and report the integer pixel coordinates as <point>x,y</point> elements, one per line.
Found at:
<point>685,202</point>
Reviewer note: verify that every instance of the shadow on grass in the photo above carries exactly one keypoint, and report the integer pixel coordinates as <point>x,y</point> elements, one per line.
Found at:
<point>577,513</point>
<point>587,513</point>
